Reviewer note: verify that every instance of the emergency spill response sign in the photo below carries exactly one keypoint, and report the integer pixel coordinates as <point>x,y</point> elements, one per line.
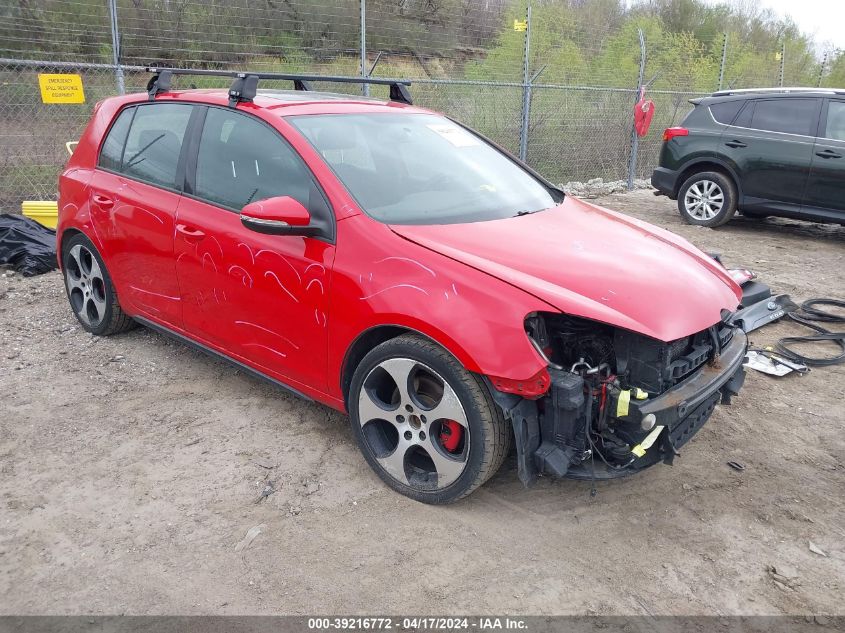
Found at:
<point>64,88</point>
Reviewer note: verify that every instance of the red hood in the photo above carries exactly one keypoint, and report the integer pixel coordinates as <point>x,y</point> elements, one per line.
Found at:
<point>594,263</point>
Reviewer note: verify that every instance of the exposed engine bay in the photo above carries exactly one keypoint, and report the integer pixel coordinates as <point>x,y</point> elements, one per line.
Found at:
<point>618,400</point>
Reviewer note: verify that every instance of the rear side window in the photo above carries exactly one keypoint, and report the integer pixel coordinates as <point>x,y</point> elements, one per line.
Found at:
<point>792,116</point>
<point>835,128</point>
<point>155,142</point>
<point>112,152</point>
<point>726,112</point>
<point>241,160</point>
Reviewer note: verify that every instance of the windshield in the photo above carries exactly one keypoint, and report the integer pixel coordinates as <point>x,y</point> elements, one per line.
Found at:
<point>422,169</point>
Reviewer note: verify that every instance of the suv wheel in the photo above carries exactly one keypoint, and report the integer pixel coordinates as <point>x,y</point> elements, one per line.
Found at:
<point>426,425</point>
<point>707,198</point>
<point>90,291</point>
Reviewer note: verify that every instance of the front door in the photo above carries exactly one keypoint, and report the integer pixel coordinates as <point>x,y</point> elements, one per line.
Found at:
<point>133,198</point>
<point>771,146</point>
<point>260,298</point>
<point>826,188</point>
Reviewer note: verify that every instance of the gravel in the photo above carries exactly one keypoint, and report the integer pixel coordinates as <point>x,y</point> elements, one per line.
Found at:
<point>131,468</point>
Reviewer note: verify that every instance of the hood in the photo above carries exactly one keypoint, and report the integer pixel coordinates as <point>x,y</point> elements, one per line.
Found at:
<point>594,263</point>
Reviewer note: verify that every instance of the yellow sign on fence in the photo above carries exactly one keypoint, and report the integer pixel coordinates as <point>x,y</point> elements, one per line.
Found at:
<point>520,25</point>
<point>61,88</point>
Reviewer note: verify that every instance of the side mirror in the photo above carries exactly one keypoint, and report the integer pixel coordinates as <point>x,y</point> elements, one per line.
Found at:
<point>281,215</point>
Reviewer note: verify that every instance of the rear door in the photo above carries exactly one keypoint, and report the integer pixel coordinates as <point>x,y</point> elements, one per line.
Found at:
<point>133,198</point>
<point>262,299</point>
<point>826,188</point>
<point>770,145</point>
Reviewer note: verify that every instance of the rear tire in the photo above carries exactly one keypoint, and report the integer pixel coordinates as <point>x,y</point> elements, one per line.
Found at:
<point>428,427</point>
<point>90,290</point>
<point>707,198</point>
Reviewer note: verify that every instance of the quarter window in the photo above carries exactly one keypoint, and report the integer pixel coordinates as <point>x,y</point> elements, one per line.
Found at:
<point>112,152</point>
<point>792,116</point>
<point>726,112</point>
<point>835,128</point>
<point>155,142</point>
<point>241,160</point>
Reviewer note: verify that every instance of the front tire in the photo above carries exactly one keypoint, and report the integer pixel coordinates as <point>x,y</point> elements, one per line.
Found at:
<point>707,198</point>
<point>428,427</point>
<point>90,290</point>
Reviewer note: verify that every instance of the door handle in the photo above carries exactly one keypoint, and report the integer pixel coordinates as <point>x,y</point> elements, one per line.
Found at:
<point>736,144</point>
<point>189,233</point>
<point>103,202</point>
<point>828,153</point>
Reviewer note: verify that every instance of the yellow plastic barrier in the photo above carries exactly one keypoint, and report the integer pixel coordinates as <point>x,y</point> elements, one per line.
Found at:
<point>45,212</point>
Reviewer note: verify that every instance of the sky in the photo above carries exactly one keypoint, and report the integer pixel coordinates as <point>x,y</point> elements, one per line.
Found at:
<point>824,19</point>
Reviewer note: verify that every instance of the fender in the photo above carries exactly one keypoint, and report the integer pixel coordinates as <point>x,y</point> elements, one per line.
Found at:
<point>727,165</point>
<point>479,319</point>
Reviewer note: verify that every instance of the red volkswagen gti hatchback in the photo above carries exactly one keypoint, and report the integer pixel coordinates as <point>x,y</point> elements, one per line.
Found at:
<point>389,262</point>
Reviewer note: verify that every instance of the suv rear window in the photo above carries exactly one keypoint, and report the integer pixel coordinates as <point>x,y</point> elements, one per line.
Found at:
<point>726,112</point>
<point>791,116</point>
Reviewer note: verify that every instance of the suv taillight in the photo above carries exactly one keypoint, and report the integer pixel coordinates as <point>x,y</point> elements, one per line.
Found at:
<point>671,132</point>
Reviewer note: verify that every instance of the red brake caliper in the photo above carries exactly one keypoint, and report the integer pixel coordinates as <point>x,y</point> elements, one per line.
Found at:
<point>450,435</point>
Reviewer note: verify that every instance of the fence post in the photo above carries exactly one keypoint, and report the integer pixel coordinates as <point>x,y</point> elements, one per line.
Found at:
<point>526,90</point>
<point>782,61</point>
<point>635,140</point>
<point>724,60</point>
<point>115,47</point>
<point>365,88</point>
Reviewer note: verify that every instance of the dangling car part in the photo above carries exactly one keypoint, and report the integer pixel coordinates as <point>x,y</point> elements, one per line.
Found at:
<point>765,311</point>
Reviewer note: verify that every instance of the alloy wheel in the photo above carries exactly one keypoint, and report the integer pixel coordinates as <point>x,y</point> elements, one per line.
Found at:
<point>704,200</point>
<point>86,286</point>
<point>414,423</point>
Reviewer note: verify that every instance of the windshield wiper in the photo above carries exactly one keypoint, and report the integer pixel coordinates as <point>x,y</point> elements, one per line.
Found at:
<point>519,213</point>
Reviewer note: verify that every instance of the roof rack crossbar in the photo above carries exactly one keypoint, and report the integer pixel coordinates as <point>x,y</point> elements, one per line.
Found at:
<point>244,86</point>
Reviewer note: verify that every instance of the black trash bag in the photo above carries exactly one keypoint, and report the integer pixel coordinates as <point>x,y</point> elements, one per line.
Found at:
<point>27,246</point>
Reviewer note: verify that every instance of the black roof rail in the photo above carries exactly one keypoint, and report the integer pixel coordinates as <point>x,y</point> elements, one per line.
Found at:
<point>245,84</point>
<point>782,90</point>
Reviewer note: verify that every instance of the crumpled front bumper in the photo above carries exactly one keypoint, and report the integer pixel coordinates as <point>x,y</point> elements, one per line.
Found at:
<point>722,377</point>
<point>684,409</point>
<point>681,412</point>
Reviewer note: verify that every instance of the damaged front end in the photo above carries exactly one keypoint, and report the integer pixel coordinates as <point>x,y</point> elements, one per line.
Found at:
<point>619,401</point>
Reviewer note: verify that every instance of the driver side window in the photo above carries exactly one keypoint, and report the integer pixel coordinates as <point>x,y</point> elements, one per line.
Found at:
<point>242,160</point>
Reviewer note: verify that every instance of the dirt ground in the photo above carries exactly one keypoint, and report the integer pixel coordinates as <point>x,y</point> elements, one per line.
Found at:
<point>131,467</point>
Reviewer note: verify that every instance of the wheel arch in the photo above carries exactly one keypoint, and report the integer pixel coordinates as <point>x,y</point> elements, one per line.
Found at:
<point>708,164</point>
<point>378,334</point>
<point>68,234</point>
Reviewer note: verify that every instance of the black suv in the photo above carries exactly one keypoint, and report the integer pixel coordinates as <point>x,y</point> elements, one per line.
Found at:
<point>777,151</point>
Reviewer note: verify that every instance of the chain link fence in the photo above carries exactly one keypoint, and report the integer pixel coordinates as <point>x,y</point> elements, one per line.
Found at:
<point>554,87</point>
